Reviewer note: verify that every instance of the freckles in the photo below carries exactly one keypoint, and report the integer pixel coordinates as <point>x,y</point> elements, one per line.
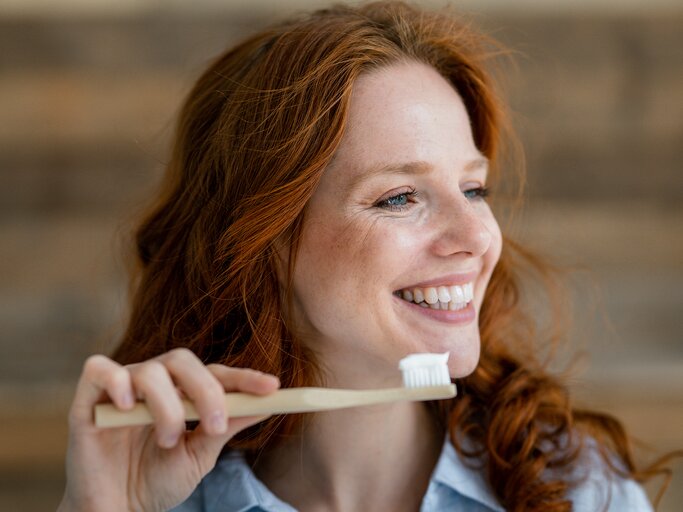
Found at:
<point>403,245</point>
<point>381,240</point>
<point>337,249</point>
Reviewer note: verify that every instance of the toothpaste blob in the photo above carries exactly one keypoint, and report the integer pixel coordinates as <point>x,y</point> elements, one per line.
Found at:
<point>427,369</point>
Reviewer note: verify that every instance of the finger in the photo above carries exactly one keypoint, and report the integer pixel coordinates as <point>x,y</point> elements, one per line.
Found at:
<point>101,377</point>
<point>200,386</point>
<point>153,383</point>
<point>245,379</point>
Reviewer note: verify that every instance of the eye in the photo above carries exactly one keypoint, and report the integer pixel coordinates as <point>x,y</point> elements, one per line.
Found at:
<point>397,202</point>
<point>477,193</point>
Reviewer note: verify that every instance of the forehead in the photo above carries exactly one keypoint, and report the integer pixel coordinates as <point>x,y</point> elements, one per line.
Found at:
<point>404,112</point>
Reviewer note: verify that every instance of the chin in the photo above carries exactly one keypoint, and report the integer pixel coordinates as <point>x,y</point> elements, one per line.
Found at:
<point>462,363</point>
<point>464,351</point>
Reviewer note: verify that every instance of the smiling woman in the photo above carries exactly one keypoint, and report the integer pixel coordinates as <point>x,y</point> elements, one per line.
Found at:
<point>324,214</point>
<point>406,225</point>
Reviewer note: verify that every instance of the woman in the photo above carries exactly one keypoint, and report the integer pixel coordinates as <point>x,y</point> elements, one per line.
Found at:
<point>326,174</point>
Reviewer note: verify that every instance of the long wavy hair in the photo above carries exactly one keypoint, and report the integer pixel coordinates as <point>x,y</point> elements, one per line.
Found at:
<point>253,139</point>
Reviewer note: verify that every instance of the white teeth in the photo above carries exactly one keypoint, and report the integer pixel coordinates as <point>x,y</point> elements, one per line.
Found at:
<point>444,295</point>
<point>457,293</point>
<point>455,306</point>
<point>431,296</point>
<point>451,298</point>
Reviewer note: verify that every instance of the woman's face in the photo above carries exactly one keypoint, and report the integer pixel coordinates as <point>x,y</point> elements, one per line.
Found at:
<point>398,218</point>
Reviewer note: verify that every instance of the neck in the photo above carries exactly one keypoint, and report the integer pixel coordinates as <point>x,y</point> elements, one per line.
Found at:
<point>370,458</point>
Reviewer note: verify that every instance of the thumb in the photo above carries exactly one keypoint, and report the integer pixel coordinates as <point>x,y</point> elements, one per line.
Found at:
<point>206,447</point>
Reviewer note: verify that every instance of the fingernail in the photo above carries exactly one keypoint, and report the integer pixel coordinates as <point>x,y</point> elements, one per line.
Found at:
<point>218,423</point>
<point>169,440</point>
<point>127,400</point>
<point>272,378</point>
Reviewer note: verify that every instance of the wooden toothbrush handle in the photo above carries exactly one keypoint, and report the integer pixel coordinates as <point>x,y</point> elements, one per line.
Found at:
<point>283,401</point>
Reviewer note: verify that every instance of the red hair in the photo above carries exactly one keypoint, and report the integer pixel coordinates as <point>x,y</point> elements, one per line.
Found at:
<point>253,139</point>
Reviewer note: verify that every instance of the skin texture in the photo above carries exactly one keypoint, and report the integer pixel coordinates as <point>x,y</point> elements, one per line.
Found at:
<point>356,251</point>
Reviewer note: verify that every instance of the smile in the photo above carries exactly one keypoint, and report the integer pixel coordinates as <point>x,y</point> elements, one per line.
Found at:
<point>452,298</point>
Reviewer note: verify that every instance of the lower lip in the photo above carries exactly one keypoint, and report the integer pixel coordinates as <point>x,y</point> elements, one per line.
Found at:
<point>460,317</point>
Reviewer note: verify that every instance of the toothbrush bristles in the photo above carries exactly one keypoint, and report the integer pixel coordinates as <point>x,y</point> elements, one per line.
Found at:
<point>425,370</point>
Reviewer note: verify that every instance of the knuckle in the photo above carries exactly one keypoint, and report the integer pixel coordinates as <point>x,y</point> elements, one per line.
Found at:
<point>214,385</point>
<point>166,410</point>
<point>207,388</point>
<point>117,378</point>
<point>215,389</point>
<point>217,385</point>
<point>94,364</point>
<point>150,370</point>
<point>180,354</point>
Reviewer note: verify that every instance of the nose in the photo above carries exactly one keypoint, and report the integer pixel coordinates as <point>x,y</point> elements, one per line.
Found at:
<point>461,229</point>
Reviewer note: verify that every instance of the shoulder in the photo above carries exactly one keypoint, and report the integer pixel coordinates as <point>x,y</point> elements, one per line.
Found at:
<point>598,487</point>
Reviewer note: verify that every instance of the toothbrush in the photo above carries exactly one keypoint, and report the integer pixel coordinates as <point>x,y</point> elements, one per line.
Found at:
<point>425,377</point>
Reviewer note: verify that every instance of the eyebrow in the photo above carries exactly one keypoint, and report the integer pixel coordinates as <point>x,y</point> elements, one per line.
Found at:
<point>416,167</point>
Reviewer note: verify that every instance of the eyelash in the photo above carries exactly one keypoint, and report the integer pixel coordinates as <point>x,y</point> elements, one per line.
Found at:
<point>479,193</point>
<point>384,203</point>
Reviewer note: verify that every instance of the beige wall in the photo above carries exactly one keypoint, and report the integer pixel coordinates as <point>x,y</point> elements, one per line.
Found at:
<point>268,7</point>
<point>87,99</point>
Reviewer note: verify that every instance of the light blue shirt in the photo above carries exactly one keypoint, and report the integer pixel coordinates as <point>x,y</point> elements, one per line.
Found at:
<point>232,487</point>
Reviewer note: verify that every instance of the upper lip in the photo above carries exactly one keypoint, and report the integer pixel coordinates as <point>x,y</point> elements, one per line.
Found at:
<point>447,280</point>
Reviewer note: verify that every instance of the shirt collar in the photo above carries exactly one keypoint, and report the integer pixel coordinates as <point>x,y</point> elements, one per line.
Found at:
<point>452,473</point>
<point>241,490</point>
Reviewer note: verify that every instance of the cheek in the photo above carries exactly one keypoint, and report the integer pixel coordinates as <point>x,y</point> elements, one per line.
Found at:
<point>496,241</point>
<point>354,257</point>
<point>490,224</point>
<point>492,254</point>
<point>331,257</point>
<point>381,251</point>
<point>338,267</point>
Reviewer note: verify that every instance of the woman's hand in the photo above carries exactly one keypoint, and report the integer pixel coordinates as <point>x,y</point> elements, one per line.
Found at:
<point>153,467</point>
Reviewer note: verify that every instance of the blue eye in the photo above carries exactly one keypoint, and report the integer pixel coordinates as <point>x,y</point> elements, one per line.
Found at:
<point>396,202</point>
<point>399,200</point>
<point>479,192</point>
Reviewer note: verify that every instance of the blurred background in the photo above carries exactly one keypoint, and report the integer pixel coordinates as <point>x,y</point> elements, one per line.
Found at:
<point>88,94</point>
